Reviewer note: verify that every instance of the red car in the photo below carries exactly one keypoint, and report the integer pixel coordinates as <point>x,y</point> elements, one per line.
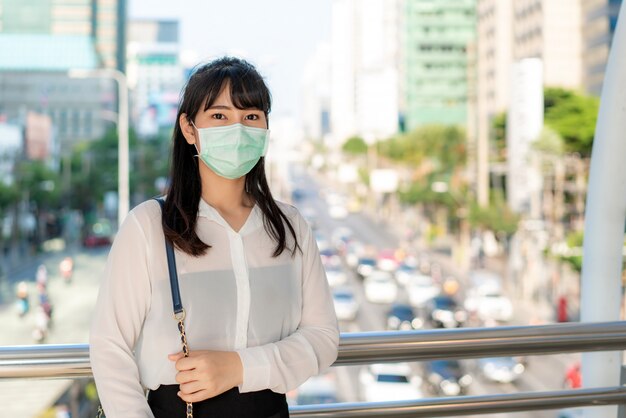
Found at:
<point>99,235</point>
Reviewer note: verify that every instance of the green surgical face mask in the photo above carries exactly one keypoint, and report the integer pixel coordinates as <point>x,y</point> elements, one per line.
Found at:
<point>232,151</point>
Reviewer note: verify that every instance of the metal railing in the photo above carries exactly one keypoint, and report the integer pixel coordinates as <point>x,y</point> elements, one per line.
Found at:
<point>72,361</point>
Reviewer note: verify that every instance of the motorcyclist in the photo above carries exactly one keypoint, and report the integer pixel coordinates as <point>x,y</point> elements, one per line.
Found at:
<point>23,303</point>
<point>66,268</point>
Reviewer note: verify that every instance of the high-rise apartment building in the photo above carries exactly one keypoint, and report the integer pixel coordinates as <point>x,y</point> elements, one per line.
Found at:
<point>550,30</point>
<point>103,20</point>
<point>494,56</point>
<point>599,19</point>
<point>435,59</point>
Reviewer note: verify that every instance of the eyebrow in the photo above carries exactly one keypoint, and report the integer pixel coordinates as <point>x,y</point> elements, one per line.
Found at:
<point>230,108</point>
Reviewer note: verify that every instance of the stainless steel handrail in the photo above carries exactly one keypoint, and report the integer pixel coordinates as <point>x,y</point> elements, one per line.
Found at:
<point>368,347</point>
<point>72,360</point>
<point>466,405</point>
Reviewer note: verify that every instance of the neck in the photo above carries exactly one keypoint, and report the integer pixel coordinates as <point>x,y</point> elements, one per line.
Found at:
<point>221,193</point>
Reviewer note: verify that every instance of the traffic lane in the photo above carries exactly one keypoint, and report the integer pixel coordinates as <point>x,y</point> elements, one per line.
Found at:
<point>72,303</point>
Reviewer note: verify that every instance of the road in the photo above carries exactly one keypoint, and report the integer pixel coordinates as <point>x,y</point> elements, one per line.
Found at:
<point>543,373</point>
<point>73,304</point>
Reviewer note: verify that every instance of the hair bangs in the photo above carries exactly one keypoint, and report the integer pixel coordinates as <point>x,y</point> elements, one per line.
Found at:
<point>247,89</point>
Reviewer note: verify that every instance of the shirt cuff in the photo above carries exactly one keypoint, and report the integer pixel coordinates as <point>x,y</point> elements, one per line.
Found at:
<point>256,369</point>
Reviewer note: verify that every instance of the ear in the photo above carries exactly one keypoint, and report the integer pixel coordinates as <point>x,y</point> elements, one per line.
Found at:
<point>187,128</point>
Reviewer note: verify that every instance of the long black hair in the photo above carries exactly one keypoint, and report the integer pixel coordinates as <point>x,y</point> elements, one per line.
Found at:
<point>247,90</point>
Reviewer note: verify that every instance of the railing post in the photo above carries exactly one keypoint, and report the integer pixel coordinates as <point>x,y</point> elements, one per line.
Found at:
<point>601,287</point>
<point>621,410</point>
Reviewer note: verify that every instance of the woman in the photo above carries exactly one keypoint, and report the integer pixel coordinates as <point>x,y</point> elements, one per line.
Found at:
<point>259,315</point>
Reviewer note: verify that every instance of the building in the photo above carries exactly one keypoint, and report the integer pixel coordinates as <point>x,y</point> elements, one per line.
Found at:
<point>599,20</point>
<point>364,69</point>
<point>494,56</point>
<point>155,74</point>
<point>102,20</point>
<point>316,94</point>
<point>435,42</point>
<point>33,78</point>
<point>550,30</point>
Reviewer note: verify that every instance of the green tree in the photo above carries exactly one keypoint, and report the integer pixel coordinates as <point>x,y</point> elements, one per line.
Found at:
<point>355,146</point>
<point>441,146</point>
<point>95,168</point>
<point>496,217</point>
<point>573,116</point>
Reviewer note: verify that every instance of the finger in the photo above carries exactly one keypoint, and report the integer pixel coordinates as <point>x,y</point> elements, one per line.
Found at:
<point>175,357</point>
<point>195,397</point>
<point>185,363</point>
<point>191,387</point>
<point>186,376</point>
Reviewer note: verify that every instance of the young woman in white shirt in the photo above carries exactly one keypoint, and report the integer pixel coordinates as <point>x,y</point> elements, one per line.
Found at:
<point>259,317</point>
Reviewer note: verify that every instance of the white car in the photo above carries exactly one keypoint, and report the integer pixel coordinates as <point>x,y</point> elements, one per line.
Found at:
<point>421,289</point>
<point>335,275</point>
<point>489,306</point>
<point>486,299</point>
<point>346,305</point>
<point>338,212</point>
<point>380,287</point>
<point>389,382</point>
<point>501,369</point>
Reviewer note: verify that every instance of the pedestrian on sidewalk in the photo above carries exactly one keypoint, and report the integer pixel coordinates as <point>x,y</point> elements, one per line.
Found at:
<point>258,314</point>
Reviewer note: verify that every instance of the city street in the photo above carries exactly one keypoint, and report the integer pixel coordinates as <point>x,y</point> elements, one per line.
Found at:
<point>73,303</point>
<point>543,373</point>
<point>72,307</point>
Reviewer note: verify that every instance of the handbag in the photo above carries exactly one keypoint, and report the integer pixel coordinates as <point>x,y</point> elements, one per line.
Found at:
<point>179,311</point>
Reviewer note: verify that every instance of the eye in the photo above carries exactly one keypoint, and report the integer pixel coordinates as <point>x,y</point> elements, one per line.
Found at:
<point>252,117</point>
<point>218,116</point>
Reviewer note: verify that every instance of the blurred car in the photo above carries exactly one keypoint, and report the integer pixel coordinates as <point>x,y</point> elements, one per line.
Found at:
<point>570,413</point>
<point>404,272</point>
<point>346,305</point>
<point>316,390</point>
<point>500,369</point>
<point>421,289</point>
<point>389,382</point>
<point>298,194</point>
<point>386,260</point>
<point>335,274</point>
<point>445,312</point>
<point>99,234</point>
<point>447,377</point>
<point>338,211</point>
<point>402,317</point>
<point>573,376</point>
<point>365,266</point>
<point>353,250</point>
<point>330,257</point>
<point>486,299</point>
<point>341,237</point>
<point>380,287</point>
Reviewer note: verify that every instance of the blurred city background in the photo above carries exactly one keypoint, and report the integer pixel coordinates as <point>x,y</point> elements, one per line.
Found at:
<point>439,149</point>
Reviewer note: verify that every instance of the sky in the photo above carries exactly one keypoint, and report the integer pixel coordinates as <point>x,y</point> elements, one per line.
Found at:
<point>278,36</point>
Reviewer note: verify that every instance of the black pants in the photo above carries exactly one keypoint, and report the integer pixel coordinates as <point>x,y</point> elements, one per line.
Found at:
<point>231,404</point>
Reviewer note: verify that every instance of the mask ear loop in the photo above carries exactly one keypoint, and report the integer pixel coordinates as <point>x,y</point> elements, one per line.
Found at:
<point>197,134</point>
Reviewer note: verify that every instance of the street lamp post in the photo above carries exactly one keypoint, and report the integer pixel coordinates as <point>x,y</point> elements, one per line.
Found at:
<point>123,205</point>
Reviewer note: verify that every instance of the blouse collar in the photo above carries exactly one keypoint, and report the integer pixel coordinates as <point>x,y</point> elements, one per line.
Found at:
<point>255,218</point>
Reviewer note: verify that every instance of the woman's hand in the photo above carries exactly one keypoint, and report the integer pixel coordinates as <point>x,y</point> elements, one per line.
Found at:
<point>205,374</point>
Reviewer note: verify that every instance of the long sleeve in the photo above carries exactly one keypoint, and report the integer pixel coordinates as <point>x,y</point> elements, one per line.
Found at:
<point>284,365</point>
<point>123,302</point>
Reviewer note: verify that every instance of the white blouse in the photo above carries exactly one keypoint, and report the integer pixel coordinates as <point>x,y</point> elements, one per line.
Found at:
<point>275,312</point>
